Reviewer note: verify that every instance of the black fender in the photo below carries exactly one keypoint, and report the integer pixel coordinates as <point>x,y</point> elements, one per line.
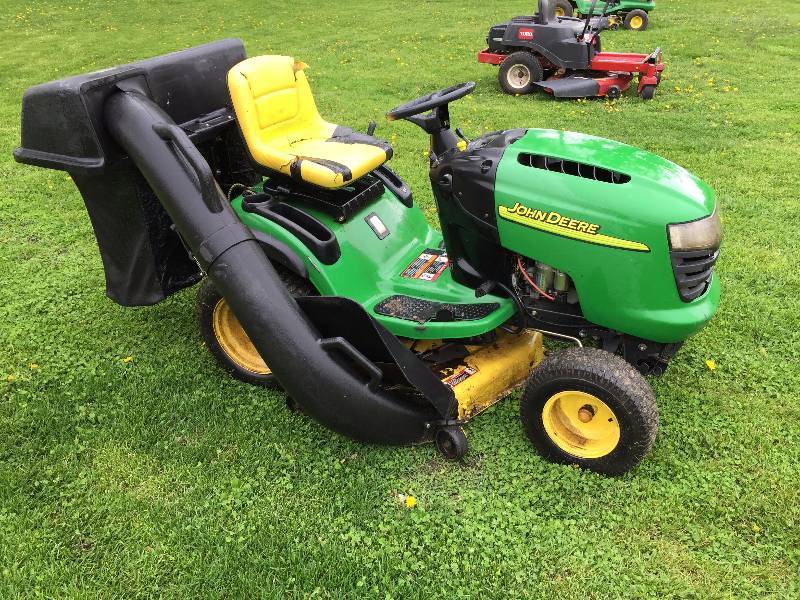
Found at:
<point>281,253</point>
<point>550,56</point>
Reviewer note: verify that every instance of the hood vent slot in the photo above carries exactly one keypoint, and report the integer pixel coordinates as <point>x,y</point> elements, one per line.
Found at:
<point>571,167</point>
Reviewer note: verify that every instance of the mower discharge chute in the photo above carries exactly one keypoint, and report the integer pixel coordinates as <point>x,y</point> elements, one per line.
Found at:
<point>318,260</point>
<point>562,56</point>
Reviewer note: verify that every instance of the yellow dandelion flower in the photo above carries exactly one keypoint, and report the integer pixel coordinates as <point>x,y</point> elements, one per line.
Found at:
<point>711,364</point>
<point>411,502</point>
<point>127,359</point>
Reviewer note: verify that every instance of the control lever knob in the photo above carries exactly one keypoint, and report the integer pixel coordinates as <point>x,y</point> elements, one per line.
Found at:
<point>485,288</point>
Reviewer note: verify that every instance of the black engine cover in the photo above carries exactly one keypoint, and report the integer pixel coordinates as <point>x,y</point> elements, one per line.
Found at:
<point>463,185</point>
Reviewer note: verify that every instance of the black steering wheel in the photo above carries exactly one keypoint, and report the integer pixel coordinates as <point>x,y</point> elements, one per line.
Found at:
<point>430,101</point>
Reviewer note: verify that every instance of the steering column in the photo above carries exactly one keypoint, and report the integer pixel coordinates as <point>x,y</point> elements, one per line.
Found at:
<point>432,113</point>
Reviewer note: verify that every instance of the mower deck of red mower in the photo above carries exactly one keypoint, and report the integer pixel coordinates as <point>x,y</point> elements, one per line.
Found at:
<point>610,74</point>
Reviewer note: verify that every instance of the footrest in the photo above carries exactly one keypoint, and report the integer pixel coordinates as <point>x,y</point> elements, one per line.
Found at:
<point>422,311</point>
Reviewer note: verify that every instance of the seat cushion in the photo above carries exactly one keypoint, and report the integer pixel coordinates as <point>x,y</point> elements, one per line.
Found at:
<point>284,132</point>
<point>346,154</point>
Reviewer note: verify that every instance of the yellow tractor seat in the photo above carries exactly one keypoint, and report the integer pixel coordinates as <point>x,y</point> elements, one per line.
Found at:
<point>285,133</point>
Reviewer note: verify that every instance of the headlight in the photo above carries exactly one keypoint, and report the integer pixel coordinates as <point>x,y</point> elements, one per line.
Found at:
<point>703,234</point>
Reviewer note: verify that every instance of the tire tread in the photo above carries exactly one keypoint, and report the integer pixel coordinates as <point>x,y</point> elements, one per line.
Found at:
<point>610,373</point>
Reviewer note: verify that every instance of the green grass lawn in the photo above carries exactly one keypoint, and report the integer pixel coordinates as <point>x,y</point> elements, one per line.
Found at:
<point>162,476</point>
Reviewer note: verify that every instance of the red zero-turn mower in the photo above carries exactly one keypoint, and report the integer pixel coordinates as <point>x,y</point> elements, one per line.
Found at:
<point>562,56</point>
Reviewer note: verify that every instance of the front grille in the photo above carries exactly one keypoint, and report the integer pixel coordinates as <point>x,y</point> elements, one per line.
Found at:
<point>693,270</point>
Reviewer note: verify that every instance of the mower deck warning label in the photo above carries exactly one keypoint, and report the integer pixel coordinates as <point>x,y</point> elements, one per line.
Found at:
<point>461,374</point>
<point>427,266</point>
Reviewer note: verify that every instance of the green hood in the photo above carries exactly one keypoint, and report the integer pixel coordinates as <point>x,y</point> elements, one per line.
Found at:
<point>598,210</point>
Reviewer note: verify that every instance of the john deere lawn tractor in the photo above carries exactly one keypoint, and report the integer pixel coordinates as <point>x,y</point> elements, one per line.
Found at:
<point>318,272</point>
<point>631,14</point>
<point>563,56</point>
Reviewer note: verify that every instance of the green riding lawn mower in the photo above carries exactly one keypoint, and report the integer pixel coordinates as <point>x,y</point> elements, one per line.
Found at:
<point>630,14</point>
<point>319,273</point>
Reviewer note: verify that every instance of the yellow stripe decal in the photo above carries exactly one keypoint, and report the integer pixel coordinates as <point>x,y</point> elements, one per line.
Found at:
<point>553,222</point>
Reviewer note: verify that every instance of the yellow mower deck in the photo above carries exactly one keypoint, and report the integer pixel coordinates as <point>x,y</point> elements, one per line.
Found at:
<point>491,372</point>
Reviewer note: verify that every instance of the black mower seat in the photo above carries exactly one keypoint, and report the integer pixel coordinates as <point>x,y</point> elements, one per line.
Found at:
<point>285,133</point>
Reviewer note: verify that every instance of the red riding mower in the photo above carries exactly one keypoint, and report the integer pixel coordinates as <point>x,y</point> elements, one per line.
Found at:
<point>562,56</point>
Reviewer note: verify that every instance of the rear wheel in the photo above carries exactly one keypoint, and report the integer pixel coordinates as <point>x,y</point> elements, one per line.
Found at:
<point>563,8</point>
<point>227,340</point>
<point>590,408</point>
<point>636,20</point>
<point>518,72</point>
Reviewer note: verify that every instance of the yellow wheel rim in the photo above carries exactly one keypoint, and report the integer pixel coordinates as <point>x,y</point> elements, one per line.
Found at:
<point>234,341</point>
<point>581,424</point>
<point>637,22</point>
<point>559,11</point>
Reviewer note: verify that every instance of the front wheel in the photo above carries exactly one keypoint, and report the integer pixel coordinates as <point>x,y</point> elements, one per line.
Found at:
<point>590,408</point>
<point>518,73</point>
<point>648,92</point>
<point>564,8</point>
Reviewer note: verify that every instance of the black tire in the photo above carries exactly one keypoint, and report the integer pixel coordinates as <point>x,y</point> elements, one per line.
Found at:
<point>613,93</point>
<point>636,20</point>
<point>562,381</point>
<point>566,8</point>
<point>518,72</point>
<point>648,92</point>
<point>211,311</point>
<point>451,442</point>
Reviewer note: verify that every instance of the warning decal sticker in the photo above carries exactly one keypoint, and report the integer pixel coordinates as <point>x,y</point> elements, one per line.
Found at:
<point>462,373</point>
<point>427,266</point>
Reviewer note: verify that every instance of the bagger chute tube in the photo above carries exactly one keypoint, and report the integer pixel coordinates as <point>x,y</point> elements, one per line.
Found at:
<point>206,166</point>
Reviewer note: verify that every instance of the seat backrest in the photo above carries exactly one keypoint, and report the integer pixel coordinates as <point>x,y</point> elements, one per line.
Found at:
<point>272,100</point>
<point>547,12</point>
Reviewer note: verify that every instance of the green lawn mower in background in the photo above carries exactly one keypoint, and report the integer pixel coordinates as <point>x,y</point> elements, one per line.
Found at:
<point>318,272</point>
<point>630,14</point>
